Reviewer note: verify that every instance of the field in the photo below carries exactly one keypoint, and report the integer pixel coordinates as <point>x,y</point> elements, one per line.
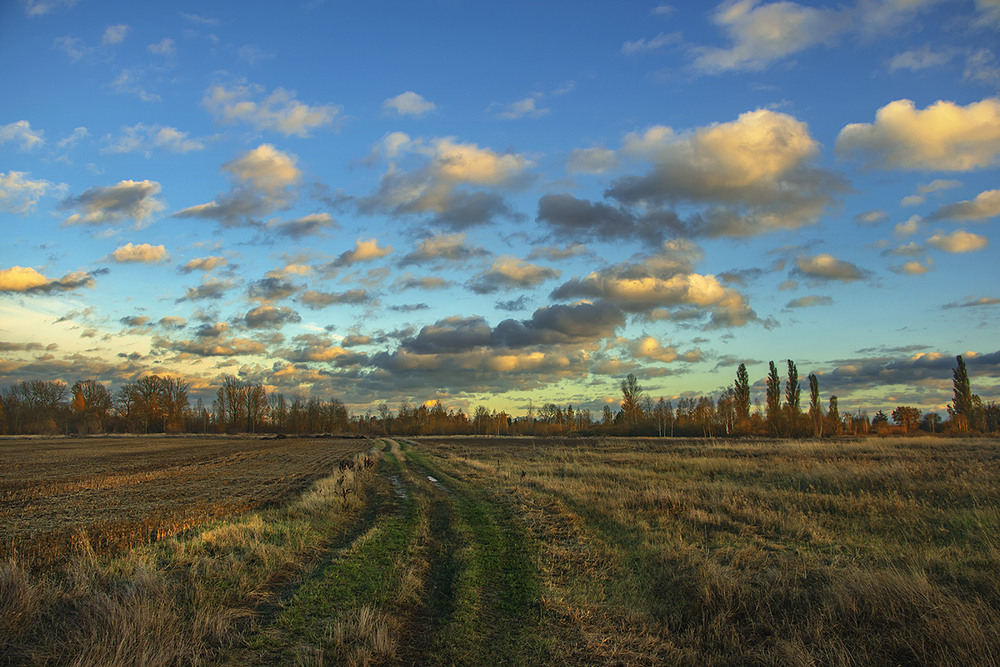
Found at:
<point>524,551</point>
<point>59,496</point>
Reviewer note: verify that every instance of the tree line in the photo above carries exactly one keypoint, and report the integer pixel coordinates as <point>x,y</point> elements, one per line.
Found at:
<point>160,404</point>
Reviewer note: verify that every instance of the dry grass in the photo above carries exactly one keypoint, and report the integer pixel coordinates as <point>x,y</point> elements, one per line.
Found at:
<point>179,601</point>
<point>63,496</point>
<point>702,552</point>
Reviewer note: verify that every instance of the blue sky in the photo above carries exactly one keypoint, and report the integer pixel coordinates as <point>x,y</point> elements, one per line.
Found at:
<point>501,203</point>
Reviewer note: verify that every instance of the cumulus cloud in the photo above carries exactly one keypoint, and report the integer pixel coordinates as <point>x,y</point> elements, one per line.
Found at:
<point>172,322</point>
<point>570,218</point>
<point>809,301</point>
<point>270,317</point>
<point>143,253</point>
<point>409,104</point>
<point>408,281</point>
<point>314,348</point>
<point>114,34</point>
<point>594,160</point>
<point>913,268</point>
<point>523,108</point>
<point>308,225</point>
<point>510,273</point>
<point>146,138</point>
<point>871,218</point>
<point>210,288</point>
<point>20,133</point>
<point>364,251</point>
<point>278,111</point>
<point>266,169</point>
<point>317,299</point>
<point>909,227</point>
<point>827,267</point>
<point>436,183</point>
<point>944,136</point>
<point>959,241</point>
<point>26,280</point>
<point>986,205</point>
<point>213,348</point>
<point>205,264</point>
<point>650,348</point>
<point>443,248</point>
<point>762,34</point>
<point>19,194</point>
<point>663,286</point>
<point>166,47</point>
<point>264,180</point>
<point>924,57</point>
<point>127,199</point>
<point>271,288</point>
<point>756,174</point>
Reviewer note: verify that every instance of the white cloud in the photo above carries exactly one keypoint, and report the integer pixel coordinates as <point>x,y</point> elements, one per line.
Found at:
<point>528,107</point>
<point>763,34</point>
<point>126,199</point>
<point>809,301</point>
<point>205,264</point>
<point>364,251</point>
<point>921,58</point>
<point>264,181</point>
<point>24,279</point>
<point>650,348</point>
<point>266,168</point>
<point>143,253</point>
<point>959,241</point>
<point>827,267</point>
<point>165,47</point>
<point>42,7</point>
<point>74,138</point>
<point>913,268</point>
<point>981,66</point>
<point>596,160</point>
<point>19,194</point>
<point>131,81</point>
<point>278,111</point>
<point>409,104</point>
<point>114,34</point>
<point>433,187</point>
<point>909,227</point>
<point>20,132</point>
<point>985,205</point>
<point>943,137</point>
<point>642,44</point>
<point>759,168</point>
<point>146,138</point>
<point>510,273</point>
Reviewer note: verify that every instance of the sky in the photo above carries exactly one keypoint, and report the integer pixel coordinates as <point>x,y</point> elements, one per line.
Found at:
<point>502,204</point>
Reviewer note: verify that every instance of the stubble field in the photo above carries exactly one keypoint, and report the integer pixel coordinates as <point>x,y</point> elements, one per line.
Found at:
<point>544,551</point>
<point>62,496</point>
